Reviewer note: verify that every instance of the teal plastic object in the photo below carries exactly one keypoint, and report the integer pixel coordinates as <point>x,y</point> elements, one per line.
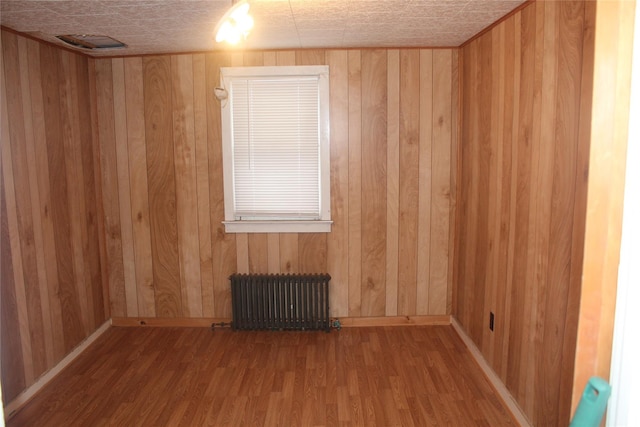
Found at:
<point>591,408</point>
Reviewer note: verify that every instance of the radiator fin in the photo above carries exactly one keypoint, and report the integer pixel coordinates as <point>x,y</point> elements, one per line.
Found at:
<point>280,301</point>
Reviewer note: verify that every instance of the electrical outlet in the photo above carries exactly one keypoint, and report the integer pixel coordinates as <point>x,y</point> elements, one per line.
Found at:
<point>491,318</point>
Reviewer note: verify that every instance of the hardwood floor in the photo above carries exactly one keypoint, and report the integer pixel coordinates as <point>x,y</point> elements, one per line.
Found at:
<point>419,375</point>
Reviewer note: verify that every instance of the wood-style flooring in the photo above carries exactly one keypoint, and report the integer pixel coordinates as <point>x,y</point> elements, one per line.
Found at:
<point>405,376</point>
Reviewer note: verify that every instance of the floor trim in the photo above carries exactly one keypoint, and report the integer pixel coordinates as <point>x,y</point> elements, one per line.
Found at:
<point>349,322</point>
<point>493,378</point>
<point>27,394</point>
<point>170,322</point>
<point>346,322</point>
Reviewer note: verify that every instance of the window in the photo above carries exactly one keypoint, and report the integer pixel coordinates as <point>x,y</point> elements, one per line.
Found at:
<point>275,139</point>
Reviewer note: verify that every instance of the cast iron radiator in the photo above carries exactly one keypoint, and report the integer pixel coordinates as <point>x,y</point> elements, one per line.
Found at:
<point>280,301</point>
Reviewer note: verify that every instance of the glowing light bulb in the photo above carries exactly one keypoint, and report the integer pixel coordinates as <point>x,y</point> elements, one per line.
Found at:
<point>235,24</point>
<point>224,32</point>
<point>234,36</point>
<point>240,11</point>
<point>245,23</point>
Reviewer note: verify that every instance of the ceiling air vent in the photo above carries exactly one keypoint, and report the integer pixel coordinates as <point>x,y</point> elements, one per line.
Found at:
<point>93,42</point>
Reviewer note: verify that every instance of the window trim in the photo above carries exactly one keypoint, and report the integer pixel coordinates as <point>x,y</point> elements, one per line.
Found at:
<point>323,224</point>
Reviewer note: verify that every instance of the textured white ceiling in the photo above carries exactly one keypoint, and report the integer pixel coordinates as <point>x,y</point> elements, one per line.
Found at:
<point>162,26</point>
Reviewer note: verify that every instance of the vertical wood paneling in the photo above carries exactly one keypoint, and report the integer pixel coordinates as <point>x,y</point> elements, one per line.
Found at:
<point>545,283</point>
<point>273,253</point>
<point>258,252</point>
<point>70,116</point>
<point>51,268</point>
<point>465,239</point>
<point>310,57</point>
<point>137,157</point>
<point>523,188</point>
<point>374,167</point>
<point>36,240</point>
<point>17,281</point>
<point>22,197</point>
<point>110,196</point>
<point>223,248</point>
<point>186,184</point>
<point>537,214</point>
<point>494,194</point>
<point>312,252</point>
<point>102,302</point>
<point>257,249</point>
<point>71,315</point>
<point>454,178</point>
<point>441,182</point>
<point>142,87</point>
<point>511,117</point>
<point>286,57</point>
<point>202,177</point>
<point>124,188</point>
<point>162,185</point>
<point>482,163</point>
<point>409,180</point>
<point>269,58</point>
<point>391,137</point>
<point>516,224</point>
<point>12,374</point>
<point>355,182</point>
<point>425,177</point>
<point>30,131</point>
<point>338,239</point>
<point>393,180</point>
<point>289,253</point>
<point>42,169</point>
<point>566,110</point>
<point>242,253</point>
<point>12,287</point>
<point>90,232</point>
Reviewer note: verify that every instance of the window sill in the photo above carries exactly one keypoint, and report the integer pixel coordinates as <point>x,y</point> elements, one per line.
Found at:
<point>277,226</point>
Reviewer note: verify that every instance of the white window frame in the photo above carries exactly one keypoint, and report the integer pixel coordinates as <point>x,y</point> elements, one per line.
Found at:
<point>231,223</point>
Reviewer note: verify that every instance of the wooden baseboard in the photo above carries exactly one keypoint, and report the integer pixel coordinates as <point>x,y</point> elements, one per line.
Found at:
<point>493,378</point>
<point>28,394</point>
<point>349,322</point>
<point>169,322</point>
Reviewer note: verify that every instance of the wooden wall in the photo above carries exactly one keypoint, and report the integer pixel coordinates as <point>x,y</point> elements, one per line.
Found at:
<point>393,139</point>
<point>523,168</point>
<point>50,277</point>
<point>613,56</point>
<point>111,174</point>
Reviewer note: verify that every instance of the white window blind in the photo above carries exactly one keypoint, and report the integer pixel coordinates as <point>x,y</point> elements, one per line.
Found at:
<point>275,139</point>
<point>276,147</point>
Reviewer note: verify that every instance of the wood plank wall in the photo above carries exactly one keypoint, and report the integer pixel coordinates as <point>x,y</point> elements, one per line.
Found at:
<point>521,210</point>
<point>51,274</point>
<point>613,57</point>
<point>393,116</point>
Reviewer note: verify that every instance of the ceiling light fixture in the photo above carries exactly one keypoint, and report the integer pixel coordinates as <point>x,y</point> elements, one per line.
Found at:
<point>235,24</point>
